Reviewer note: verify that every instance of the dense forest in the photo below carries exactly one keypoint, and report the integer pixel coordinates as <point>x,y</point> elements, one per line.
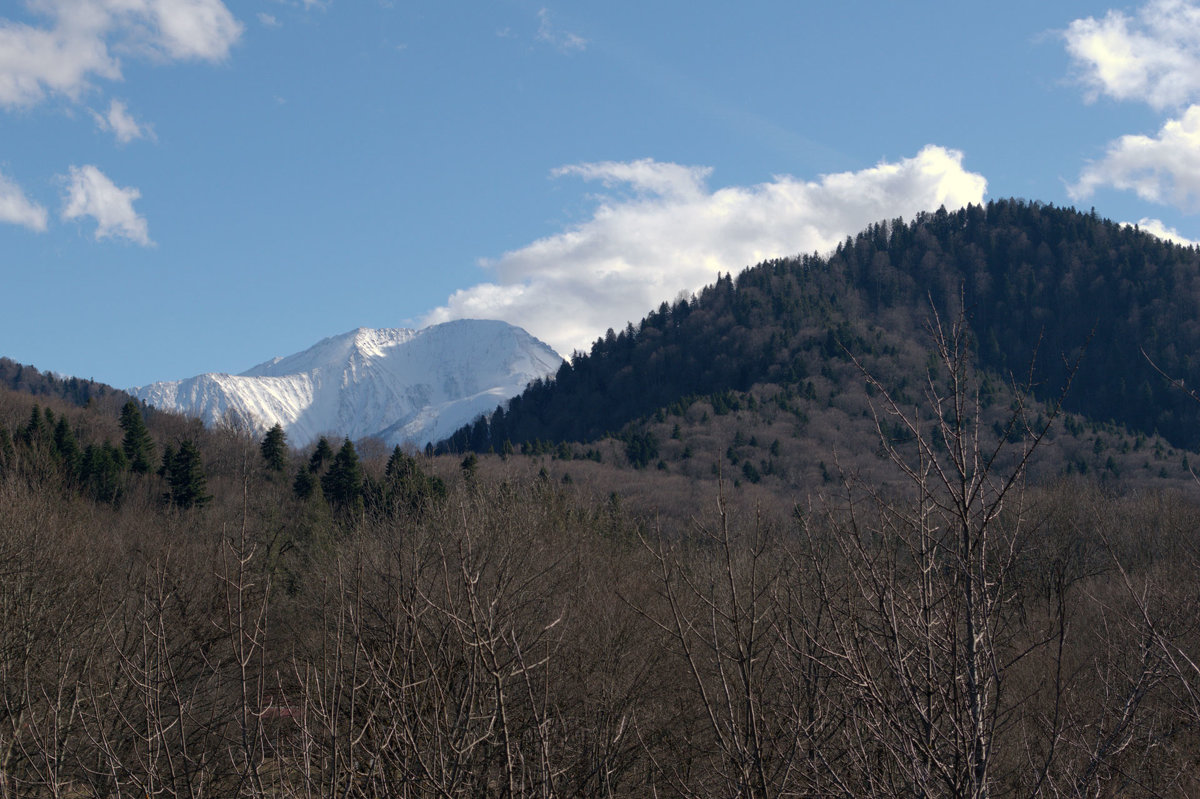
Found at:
<point>1040,286</point>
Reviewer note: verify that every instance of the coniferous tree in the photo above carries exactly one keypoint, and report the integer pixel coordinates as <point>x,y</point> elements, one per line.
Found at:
<point>101,472</point>
<point>34,430</point>
<point>67,448</point>
<point>274,448</point>
<point>7,453</point>
<point>168,457</point>
<point>321,455</point>
<point>306,483</point>
<point>137,443</point>
<point>406,486</point>
<point>186,480</point>
<point>343,483</point>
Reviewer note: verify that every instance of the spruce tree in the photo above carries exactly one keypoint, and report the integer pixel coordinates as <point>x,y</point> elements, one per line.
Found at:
<point>137,443</point>
<point>186,480</point>
<point>67,448</point>
<point>34,430</point>
<point>7,454</point>
<point>320,455</point>
<point>343,483</point>
<point>306,483</point>
<point>168,457</point>
<point>101,472</point>
<point>274,448</point>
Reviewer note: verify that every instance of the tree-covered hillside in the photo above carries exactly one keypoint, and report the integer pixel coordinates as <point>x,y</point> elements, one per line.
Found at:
<point>1038,284</point>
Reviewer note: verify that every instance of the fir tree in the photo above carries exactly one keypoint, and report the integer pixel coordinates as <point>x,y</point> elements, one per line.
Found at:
<point>343,483</point>
<point>186,480</point>
<point>137,443</point>
<point>274,448</point>
<point>7,454</point>
<point>406,486</point>
<point>67,448</point>
<point>321,455</point>
<point>101,472</point>
<point>34,430</point>
<point>168,457</point>
<point>306,483</point>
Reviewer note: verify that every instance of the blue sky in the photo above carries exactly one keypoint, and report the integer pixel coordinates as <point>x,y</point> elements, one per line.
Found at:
<point>199,185</point>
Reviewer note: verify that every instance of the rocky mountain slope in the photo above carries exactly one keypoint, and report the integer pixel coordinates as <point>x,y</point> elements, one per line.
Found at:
<point>404,386</point>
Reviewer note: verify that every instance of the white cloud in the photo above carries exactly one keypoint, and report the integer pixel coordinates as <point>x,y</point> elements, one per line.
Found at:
<point>83,38</point>
<point>673,234</point>
<point>91,193</point>
<point>121,124</point>
<point>1161,169</point>
<point>269,20</point>
<point>1153,56</point>
<point>562,40</point>
<point>17,209</point>
<point>1155,227</point>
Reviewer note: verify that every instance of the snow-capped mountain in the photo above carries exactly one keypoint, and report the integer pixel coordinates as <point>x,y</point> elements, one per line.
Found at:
<point>403,386</point>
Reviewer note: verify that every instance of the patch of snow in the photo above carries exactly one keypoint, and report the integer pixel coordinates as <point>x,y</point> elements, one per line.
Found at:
<point>403,386</point>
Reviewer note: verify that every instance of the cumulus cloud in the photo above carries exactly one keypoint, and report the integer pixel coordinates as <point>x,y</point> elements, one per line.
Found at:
<point>562,40</point>
<point>17,209</point>
<point>1162,169</point>
<point>1155,227</point>
<point>121,124</point>
<point>83,39</point>
<point>1153,56</point>
<point>91,193</point>
<point>669,233</point>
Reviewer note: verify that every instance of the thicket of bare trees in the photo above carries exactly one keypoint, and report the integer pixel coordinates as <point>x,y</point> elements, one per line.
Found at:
<point>965,636</point>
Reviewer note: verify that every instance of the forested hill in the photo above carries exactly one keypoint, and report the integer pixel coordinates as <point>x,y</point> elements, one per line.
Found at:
<point>26,379</point>
<point>1039,283</point>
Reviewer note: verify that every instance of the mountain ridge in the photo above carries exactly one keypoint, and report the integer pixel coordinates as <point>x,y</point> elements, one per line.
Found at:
<point>1037,285</point>
<point>402,385</point>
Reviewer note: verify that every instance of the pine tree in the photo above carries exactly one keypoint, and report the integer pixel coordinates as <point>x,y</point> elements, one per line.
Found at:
<point>274,448</point>
<point>186,480</point>
<point>137,443</point>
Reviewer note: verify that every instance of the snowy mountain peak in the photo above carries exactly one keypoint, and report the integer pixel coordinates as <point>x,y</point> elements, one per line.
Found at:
<point>405,386</point>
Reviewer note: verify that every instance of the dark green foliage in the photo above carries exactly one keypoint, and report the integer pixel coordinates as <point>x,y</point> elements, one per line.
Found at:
<point>168,457</point>
<point>306,483</point>
<point>137,443</point>
<point>406,487</point>
<point>186,478</point>
<point>321,455</point>
<point>1033,278</point>
<point>343,483</point>
<point>67,448</point>
<point>7,452</point>
<point>33,433</point>
<point>641,447</point>
<point>274,448</point>
<point>469,465</point>
<point>103,472</point>
<point>29,380</point>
